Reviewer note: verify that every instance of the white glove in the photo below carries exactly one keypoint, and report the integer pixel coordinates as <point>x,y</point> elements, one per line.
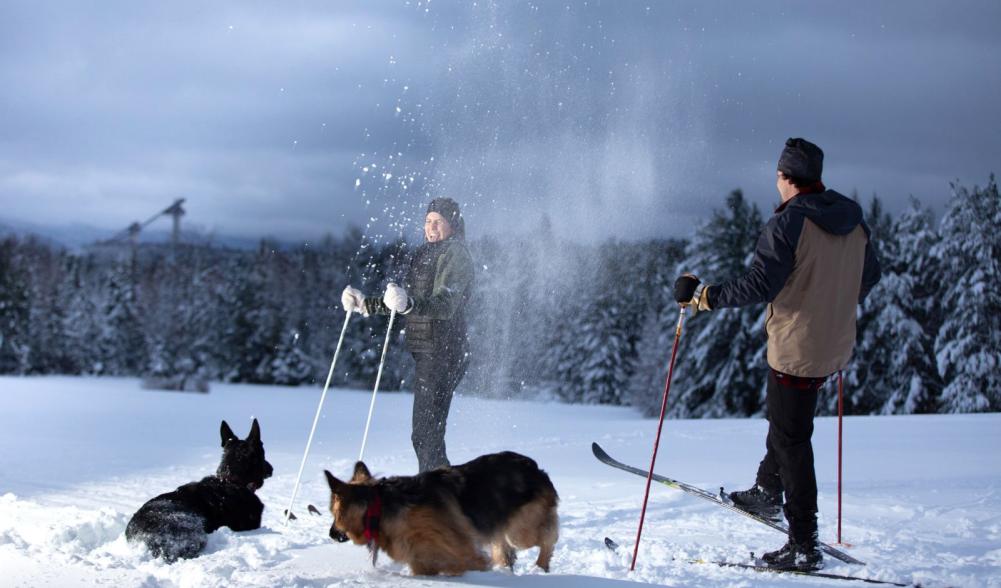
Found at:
<point>353,299</point>
<point>396,299</point>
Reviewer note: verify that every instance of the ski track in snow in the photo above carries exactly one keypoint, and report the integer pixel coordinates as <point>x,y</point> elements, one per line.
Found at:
<point>79,455</point>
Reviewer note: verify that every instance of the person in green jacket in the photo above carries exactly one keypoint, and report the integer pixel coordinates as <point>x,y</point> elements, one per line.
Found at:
<point>433,301</point>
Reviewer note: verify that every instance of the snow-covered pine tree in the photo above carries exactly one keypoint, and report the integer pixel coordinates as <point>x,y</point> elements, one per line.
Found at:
<point>652,356</point>
<point>915,238</point>
<point>211,316</point>
<point>291,367</point>
<point>44,322</point>
<point>716,373</point>
<point>313,312</point>
<point>48,352</point>
<point>968,343</point>
<point>596,355</point>
<point>659,315</point>
<point>15,307</point>
<point>896,348</point>
<point>255,332</point>
<point>79,323</point>
<point>563,351</point>
<point>181,315</point>
<point>120,343</point>
<point>865,377</point>
<point>595,365</point>
<point>879,220</point>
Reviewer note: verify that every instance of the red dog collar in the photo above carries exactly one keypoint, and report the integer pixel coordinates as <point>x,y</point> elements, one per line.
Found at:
<point>372,515</point>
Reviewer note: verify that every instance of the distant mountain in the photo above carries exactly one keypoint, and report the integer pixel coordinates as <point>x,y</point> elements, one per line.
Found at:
<point>76,236</point>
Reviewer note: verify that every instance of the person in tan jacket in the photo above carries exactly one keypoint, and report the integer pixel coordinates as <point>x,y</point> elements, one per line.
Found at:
<point>813,263</point>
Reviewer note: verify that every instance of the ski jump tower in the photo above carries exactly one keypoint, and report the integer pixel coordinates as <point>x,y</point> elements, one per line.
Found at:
<point>175,210</point>
<point>131,234</point>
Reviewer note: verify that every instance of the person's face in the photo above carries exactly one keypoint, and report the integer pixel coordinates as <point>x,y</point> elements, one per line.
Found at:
<point>436,228</point>
<point>786,188</point>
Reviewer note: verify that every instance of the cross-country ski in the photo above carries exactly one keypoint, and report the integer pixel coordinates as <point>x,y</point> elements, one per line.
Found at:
<point>718,499</point>
<point>762,567</point>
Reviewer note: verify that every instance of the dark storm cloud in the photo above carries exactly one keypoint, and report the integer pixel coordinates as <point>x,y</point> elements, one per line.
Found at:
<point>253,113</point>
<point>624,118</point>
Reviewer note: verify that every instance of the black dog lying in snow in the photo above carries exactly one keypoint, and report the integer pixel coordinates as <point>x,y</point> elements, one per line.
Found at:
<point>176,524</point>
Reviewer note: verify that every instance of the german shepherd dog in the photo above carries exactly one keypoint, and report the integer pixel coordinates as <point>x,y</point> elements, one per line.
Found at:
<point>176,524</point>
<point>440,521</point>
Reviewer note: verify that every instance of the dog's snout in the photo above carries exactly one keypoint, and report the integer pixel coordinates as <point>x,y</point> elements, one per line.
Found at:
<point>268,470</point>
<point>336,535</point>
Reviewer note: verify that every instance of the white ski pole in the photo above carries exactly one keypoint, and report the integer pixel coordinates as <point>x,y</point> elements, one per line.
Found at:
<point>378,378</point>
<point>316,419</point>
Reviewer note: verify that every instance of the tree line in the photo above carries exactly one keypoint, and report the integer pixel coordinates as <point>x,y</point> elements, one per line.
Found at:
<point>548,317</point>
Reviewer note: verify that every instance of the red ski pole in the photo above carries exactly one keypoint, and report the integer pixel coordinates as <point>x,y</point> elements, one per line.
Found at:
<point>841,390</point>
<point>660,424</point>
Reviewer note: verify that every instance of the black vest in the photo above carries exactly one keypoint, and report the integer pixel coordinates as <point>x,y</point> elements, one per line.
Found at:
<point>425,334</point>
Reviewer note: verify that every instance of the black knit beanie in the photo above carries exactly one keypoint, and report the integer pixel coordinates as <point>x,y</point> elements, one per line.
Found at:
<point>802,160</point>
<point>449,210</point>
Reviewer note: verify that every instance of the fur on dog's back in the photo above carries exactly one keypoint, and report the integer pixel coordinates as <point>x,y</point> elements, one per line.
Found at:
<point>488,489</point>
<point>437,521</point>
<point>168,530</point>
<point>493,486</point>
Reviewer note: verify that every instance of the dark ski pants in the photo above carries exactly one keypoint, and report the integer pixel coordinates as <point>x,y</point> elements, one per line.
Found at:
<point>436,376</point>
<point>788,462</point>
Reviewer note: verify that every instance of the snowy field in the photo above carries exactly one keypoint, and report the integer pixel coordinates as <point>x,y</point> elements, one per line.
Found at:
<point>79,455</point>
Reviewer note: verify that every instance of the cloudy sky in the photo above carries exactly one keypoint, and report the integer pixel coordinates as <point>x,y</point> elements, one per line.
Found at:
<point>615,118</point>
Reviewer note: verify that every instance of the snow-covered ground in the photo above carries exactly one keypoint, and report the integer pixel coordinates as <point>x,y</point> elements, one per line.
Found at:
<point>79,455</point>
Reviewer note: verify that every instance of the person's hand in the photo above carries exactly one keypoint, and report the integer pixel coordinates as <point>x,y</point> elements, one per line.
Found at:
<point>691,292</point>
<point>396,299</point>
<point>353,299</point>
<point>684,288</point>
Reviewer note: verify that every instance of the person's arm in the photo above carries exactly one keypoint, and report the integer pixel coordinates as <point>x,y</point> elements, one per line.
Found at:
<point>871,270</point>
<point>453,278</point>
<point>774,258</point>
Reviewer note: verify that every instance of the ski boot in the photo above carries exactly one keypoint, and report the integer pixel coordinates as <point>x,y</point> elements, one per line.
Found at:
<point>799,557</point>
<point>759,501</point>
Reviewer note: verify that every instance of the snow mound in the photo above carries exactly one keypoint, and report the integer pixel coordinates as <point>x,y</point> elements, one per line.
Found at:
<point>68,531</point>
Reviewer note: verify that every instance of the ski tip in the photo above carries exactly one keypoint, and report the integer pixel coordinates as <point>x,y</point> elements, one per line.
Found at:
<point>313,510</point>
<point>289,516</point>
<point>597,450</point>
<point>611,544</point>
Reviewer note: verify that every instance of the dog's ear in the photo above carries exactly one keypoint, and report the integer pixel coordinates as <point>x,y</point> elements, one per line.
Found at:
<point>361,473</point>
<point>335,484</point>
<point>255,433</point>
<point>226,433</point>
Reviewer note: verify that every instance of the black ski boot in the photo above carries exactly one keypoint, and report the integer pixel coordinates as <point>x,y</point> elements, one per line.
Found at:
<point>800,557</point>
<point>759,501</point>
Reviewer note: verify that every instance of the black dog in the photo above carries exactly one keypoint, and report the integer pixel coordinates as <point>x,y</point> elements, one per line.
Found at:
<point>176,524</point>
